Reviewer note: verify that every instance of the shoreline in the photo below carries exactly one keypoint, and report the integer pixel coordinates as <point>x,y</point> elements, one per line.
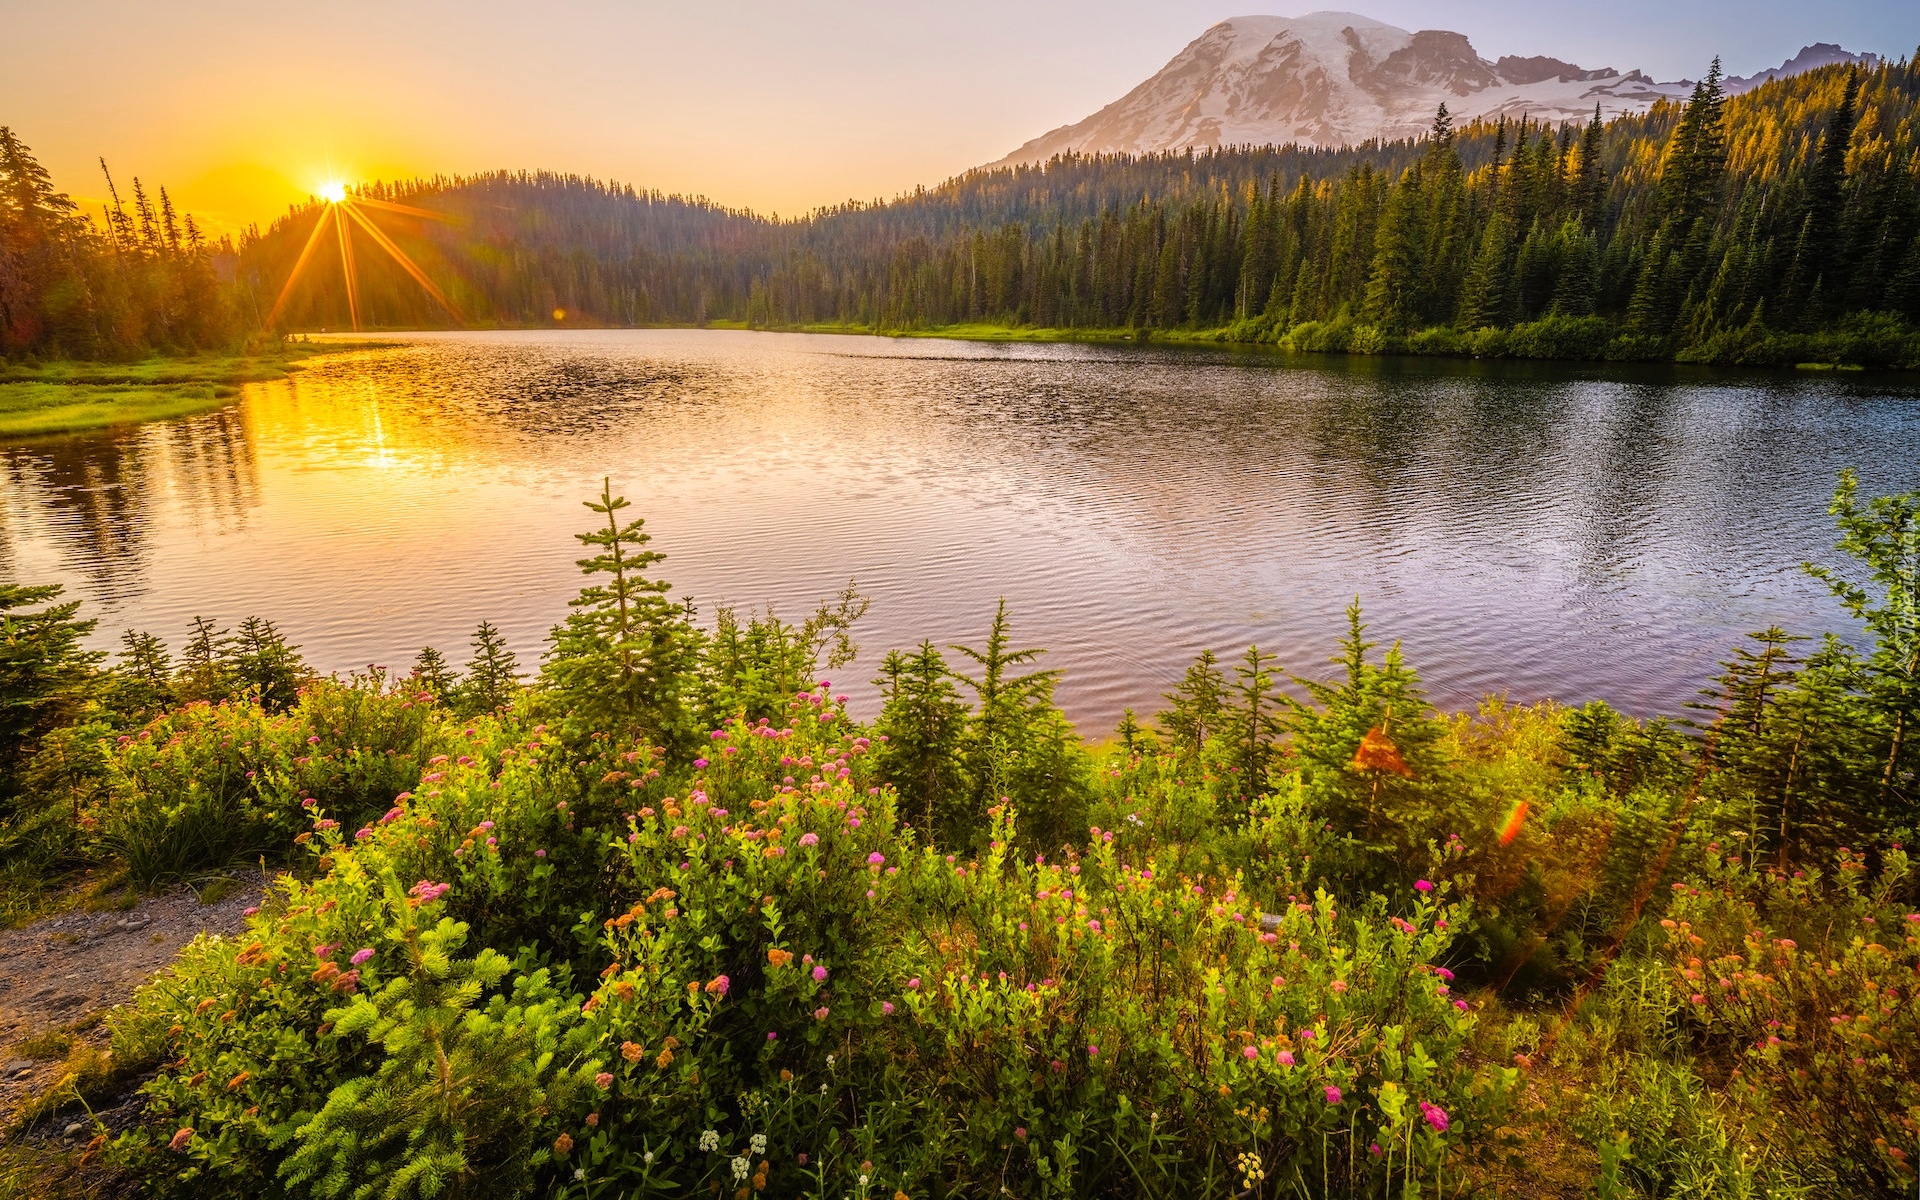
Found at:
<point>67,397</point>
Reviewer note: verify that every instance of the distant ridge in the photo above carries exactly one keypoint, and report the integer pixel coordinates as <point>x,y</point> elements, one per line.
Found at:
<point>1337,79</point>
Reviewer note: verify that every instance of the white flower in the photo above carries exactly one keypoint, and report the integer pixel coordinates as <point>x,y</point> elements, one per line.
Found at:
<point>739,1169</point>
<point>757,1144</point>
<point>829,1062</point>
<point>579,1173</point>
<point>710,1141</point>
<point>823,1089</point>
<point>863,1181</point>
<point>647,1158</point>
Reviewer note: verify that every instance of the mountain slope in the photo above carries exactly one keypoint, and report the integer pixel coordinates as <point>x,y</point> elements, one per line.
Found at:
<point>1336,78</point>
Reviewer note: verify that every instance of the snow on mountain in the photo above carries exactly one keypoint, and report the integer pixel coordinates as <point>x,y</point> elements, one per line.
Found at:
<point>1335,78</point>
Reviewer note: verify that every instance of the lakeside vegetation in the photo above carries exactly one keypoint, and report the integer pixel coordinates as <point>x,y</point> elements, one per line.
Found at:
<point>660,917</point>
<point>65,396</point>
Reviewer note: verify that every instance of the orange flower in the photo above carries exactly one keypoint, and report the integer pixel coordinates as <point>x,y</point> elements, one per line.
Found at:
<point>633,1052</point>
<point>239,1079</point>
<point>665,1060</point>
<point>779,958</point>
<point>563,1144</point>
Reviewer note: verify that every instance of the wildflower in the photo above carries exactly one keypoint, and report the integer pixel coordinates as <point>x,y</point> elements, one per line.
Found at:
<point>1339,985</point>
<point>579,1173</point>
<point>361,955</point>
<point>719,986</point>
<point>809,839</point>
<point>876,859</point>
<point>913,985</point>
<point>563,1144</point>
<point>772,1036</point>
<point>539,853</point>
<point>181,1138</point>
<point>632,1051</point>
<point>820,1014</point>
<point>603,1080</point>
<point>1461,1005</point>
<point>1093,1052</point>
<point>1422,885</point>
<point>1250,1053</point>
<point>664,1061</point>
<point>1333,1094</point>
<point>886,1008</point>
<point>1284,1058</point>
<point>819,974</point>
<point>710,1141</point>
<point>699,763</point>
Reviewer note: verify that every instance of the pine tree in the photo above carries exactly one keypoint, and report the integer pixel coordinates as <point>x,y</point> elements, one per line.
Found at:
<point>143,676</point>
<point>921,730</point>
<point>1883,594</point>
<point>44,672</point>
<point>1253,721</point>
<point>260,663</point>
<point>206,668</point>
<point>1006,709</point>
<point>493,673</point>
<point>622,660</point>
<point>433,674</point>
<point>1196,708</point>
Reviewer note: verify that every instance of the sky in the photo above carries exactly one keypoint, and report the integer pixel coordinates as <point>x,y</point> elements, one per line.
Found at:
<point>241,107</point>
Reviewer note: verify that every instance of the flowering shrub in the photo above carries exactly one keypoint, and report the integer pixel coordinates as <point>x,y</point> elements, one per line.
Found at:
<point>1801,987</point>
<point>787,993</point>
<point>208,784</point>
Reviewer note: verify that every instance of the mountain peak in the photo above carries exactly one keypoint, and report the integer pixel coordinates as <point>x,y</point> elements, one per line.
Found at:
<point>1340,78</point>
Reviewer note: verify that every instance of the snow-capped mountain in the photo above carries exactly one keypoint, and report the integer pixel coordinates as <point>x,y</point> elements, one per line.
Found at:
<point>1335,78</point>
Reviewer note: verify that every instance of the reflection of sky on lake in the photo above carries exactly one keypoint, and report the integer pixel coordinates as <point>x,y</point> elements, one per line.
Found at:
<point>1540,529</point>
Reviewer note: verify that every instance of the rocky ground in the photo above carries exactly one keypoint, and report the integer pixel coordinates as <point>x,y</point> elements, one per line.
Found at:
<point>60,976</point>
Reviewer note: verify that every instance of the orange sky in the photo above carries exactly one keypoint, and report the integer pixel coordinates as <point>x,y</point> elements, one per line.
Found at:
<point>241,108</point>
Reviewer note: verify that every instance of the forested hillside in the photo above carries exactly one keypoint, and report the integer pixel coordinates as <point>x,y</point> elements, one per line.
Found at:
<point>1776,226</point>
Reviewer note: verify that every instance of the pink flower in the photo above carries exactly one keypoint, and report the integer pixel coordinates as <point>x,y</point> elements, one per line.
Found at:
<point>539,853</point>
<point>876,859</point>
<point>1020,1131</point>
<point>1461,1005</point>
<point>1333,1094</point>
<point>1421,885</point>
<point>809,839</point>
<point>1093,1052</point>
<point>250,912</point>
<point>1443,973</point>
<point>1436,1116</point>
<point>1251,1053</point>
<point>360,956</point>
<point>820,1014</point>
<point>1339,985</point>
<point>603,1080</point>
<point>886,1008</point>
<point>772,1036</point>
<point>1284,1058</point>
<point>180,1139</point>
<point>819,974</point>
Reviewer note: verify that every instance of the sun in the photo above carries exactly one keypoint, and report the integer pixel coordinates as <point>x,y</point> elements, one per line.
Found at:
<point>333,191</point>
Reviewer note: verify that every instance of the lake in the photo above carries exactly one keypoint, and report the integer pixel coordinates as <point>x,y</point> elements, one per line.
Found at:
<point>1538,530</point>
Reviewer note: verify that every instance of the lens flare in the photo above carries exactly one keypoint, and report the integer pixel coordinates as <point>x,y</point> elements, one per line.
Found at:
<point>333,191</point>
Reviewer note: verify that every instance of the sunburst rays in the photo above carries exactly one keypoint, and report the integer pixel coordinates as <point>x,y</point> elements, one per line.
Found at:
<point>343,212</point>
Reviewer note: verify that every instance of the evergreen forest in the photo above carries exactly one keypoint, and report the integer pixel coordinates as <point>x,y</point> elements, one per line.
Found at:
<point>1778,226</point>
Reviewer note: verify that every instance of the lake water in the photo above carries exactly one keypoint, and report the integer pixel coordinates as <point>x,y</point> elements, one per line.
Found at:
<point>1563,531</point>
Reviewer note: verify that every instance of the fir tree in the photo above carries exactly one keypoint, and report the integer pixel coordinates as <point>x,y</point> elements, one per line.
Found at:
<point>1196,707</point>
<point>493,673</point>
<point>433,674</point>
<point>260,663</point>
<point>622,659</point>
<point>1253,721</point>
<point>43,670</point>
<point>922,728</point>
<point>206,668</point>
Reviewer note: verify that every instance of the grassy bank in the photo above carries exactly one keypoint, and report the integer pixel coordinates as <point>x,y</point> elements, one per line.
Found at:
<point>1863,341</point>
<point>72,397</point>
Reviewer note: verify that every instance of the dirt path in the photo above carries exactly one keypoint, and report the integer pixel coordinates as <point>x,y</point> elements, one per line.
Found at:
<point>59,973</point>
